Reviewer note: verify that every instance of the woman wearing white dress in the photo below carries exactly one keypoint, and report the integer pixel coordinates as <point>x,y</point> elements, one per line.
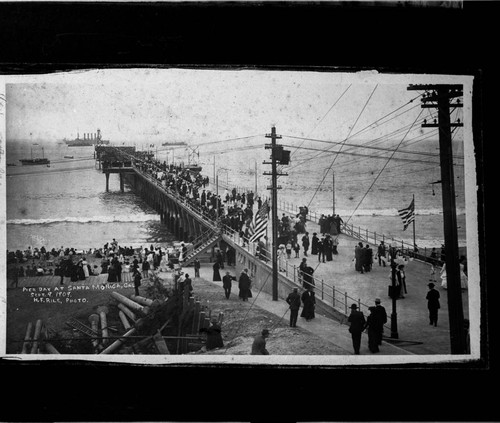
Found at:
<point>463,277</point>
<point>443,277</point>
<point>85,268</point>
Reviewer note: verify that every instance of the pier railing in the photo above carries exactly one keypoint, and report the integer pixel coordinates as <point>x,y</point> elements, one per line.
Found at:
<point>325,291</point>
<point>339,300</point>
<point>364,235</point>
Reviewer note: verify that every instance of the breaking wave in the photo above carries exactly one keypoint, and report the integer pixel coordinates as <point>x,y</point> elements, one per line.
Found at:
<point>94,219</point>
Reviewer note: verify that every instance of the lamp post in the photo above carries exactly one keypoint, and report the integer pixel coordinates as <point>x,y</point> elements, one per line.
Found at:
<point>394,314</point>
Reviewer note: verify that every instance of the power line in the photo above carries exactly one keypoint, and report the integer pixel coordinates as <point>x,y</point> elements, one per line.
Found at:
<point>335,158</point>
<point>324,116</point>
<point>375,122</point>
<point>368,147</point>
<point>380,173</point>
<point>371,156</point>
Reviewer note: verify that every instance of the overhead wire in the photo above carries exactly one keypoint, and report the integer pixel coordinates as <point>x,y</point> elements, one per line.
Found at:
<point>378,175</point>
<point>335,158</point>
<point>321,120</point>
<point>370,126</point>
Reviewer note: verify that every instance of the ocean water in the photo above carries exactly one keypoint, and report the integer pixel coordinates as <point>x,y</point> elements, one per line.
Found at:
<point>66,204</point>
<point>367,192</point>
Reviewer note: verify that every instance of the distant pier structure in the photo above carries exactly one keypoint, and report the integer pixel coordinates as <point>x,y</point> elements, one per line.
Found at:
<point>179,217</point>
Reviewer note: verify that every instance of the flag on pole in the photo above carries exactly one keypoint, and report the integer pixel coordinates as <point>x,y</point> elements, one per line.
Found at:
<point>408,214</point>
<point>259,224</point>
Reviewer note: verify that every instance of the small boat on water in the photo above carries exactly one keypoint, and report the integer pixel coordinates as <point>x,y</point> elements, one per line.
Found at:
<point>35,161</point>
<point>68,157</point>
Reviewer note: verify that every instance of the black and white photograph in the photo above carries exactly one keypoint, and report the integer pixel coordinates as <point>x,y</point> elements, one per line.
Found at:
<point>240,216</point>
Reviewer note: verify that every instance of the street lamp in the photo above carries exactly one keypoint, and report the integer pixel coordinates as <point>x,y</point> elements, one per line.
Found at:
<point>394,314</point>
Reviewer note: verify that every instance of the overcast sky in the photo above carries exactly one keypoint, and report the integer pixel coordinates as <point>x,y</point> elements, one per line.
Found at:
<point>195,106</point>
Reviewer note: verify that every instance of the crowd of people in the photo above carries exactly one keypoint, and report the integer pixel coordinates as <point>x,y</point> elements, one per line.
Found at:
<point>111,259</point>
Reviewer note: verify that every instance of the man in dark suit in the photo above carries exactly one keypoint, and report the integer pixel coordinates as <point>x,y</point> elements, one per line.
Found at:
<point>433,304</point>
<point>197,266</point>
<point>358,322</point>
<point>293,301</point>
<point>381,318</point>
<point>305,243</point>
<point>227,282</point>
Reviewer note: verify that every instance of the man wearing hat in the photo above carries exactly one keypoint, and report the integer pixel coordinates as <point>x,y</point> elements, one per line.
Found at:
<point>293,301</point>
<point>357,325</point>
<point>433,304</point>
<point>380,319</point>
<point>259,343</point>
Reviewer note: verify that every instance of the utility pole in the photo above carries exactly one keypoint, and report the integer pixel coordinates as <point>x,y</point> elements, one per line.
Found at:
<point>333,198</point>
<point>440,97</point>
<point>255,193</point>
<point>278,155</point>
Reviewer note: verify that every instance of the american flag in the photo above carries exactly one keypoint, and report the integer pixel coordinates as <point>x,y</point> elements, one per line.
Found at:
<point>408,214</point>
<point>259,224</point>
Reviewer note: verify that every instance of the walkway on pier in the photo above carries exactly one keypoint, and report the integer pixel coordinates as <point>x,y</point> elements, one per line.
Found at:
<point>338,284</point>
<point>324,327</point>
<point>412,313</point>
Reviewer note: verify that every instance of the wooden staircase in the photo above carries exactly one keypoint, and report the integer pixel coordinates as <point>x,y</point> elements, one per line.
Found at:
<point>206,240</point>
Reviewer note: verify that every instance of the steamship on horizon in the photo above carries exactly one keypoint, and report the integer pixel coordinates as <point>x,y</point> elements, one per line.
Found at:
<point>88,140</point>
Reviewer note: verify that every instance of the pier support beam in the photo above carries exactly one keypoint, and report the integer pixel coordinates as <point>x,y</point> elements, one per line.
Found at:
<point>107,181</point>
<point>122,185</point>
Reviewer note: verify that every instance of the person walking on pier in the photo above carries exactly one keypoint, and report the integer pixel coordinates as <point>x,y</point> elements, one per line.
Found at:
<point>433,304</point>
<point>367,258</point>
<point>400,274</point>
<point>216,268</point>
<point>322,247</point>
<point>358,257</point>
<point>293,301</point>
<point>227,282</point>
<point>244,284</point>
<point>373,330</point>
<point>305,243</point>
<point>197,268</point>
<point>309,303</point>
<point>314,244</point>
<point>296,248</point>
<point>357,324</point>
<point>288,248</point>
<point>381,318</point>
<point>381,252</point>
<point>301,271</point>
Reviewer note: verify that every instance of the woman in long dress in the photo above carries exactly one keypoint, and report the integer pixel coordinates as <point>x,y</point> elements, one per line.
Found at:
<point>442,275</point>
<point>308,302</point>
<point>244,284</point>
<point>463,277</point>
<point>216,268</point>
<point>85,268</point>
